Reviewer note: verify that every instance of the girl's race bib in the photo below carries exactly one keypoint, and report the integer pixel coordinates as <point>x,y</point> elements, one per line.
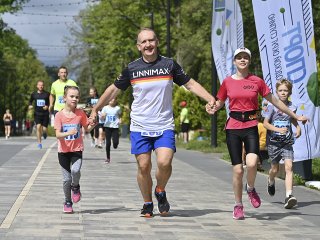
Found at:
<point>110,118</point>
<point>94,101</point>
<point>68,127</point>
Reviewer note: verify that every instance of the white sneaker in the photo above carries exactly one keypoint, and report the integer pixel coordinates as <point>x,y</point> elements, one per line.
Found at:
<point>100,145</point>
<point>6,137</point>
<point>96,145</point>
<point>92,143</point>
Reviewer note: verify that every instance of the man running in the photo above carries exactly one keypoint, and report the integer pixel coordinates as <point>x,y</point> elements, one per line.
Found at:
<point>57,90</point>
<point>152,127</point>
<point>41,113</point>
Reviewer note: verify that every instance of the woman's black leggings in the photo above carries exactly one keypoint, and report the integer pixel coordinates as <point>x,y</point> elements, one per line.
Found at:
<point>235,137</point>
<point>114,133</point>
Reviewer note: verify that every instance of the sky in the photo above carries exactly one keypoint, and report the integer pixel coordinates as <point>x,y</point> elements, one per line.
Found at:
<point>45,34</point>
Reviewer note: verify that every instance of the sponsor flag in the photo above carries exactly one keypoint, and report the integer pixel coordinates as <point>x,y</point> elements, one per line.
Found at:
<point>226,36</point>
<point>287,49</point>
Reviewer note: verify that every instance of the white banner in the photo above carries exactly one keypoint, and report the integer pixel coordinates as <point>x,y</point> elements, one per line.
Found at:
<point>226,36</point>
<point>287,49</point>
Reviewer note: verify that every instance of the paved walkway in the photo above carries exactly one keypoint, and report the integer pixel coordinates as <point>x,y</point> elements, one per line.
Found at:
<point>200,193</point>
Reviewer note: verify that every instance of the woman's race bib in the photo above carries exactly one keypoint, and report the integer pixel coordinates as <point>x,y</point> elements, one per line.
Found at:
<point>94,101</point>
<point>61,101</point>
<point>151,134</point>
<point>282,124</point>
<point>41,102</point>
<point>68,127</point>
<point>110,118</point>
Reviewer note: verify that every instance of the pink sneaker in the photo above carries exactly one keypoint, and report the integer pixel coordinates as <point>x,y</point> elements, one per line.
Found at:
<point>107,160</point>
<point>254,198</point>
<point>76,194</point>
<point>238,212</point>
<point>68,207</point>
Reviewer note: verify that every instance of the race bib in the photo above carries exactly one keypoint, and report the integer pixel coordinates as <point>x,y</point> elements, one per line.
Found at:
<point>61,101</point>
<point>282,124</point>
<point>41,102</point>
<point>94,101</point>
<point>151,134</point>
<point>68,127</point>
<point>110,118</point>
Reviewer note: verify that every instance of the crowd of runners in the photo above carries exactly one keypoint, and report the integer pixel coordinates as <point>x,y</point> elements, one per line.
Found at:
<point>152,124</point>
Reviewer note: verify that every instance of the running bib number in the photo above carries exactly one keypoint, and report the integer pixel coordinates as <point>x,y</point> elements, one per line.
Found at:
<point>94,101</point>
<point>110,118</point>
<point>68,127</point>
<point>61,101</point>
<point>41,102</point>
<point>282,124</point>
<point>151,134</point>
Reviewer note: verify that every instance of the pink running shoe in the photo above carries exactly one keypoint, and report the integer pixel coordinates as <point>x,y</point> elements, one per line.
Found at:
<point>68,207</point>
<point>76,194</point>
<point>238,212</point>
<point>107,160</point>
<point>254,198</point>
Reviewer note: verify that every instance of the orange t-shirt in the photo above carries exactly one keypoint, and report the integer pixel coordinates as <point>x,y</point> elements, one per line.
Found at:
<point>71,143</point>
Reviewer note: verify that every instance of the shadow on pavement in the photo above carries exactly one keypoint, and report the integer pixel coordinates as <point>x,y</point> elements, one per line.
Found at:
<point>276,216</point>
<point>301,204</point>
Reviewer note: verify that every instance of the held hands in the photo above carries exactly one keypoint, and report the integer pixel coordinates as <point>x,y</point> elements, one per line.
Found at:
<point>211,108</point>
<point>93,117</point>
<point>303,119</point>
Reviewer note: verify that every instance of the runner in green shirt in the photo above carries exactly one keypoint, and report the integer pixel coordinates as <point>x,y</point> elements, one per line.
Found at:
<point>57,90</point>
<point>184,121</point>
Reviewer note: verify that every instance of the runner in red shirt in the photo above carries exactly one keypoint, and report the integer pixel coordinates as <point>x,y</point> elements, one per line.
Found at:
<point>67,124</point>
<point>242,90</point>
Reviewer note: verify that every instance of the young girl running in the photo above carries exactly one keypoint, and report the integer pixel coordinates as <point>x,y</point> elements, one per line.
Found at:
<point>67,124</point>
<point>111,115</point>
<point>242,90</point>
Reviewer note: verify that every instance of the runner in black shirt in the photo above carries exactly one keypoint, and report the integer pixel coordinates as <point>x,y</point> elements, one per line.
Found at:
<point>41,113</point>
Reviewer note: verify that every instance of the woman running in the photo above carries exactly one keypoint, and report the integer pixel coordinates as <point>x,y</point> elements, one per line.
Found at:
<point>7,117</point>
<point>93,100</point>
<point>242,90</point>
<point>67,124</point>
<point>112,118</point>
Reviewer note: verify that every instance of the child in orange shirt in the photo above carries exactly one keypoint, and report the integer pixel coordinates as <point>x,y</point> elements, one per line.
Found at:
<point>67,124</point>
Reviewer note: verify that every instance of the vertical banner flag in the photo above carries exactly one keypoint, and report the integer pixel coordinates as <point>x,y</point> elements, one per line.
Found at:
<point>226,37</point>
<point>287,49</point>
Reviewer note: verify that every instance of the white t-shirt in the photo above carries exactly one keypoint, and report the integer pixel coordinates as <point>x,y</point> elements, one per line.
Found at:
<point>112,119</point>
<point>152,85</point>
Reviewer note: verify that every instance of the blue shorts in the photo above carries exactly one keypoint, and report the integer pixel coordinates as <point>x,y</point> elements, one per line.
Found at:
<point>141,144</point>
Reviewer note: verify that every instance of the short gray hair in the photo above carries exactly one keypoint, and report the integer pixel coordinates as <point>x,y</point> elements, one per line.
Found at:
<point>146,29</point>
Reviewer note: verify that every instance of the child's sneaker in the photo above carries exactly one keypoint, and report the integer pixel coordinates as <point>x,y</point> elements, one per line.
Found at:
<point>290,202</point>
<point>100,145</point>
<point>68,207</point>
<point>40,146</point>
<point>272,188</point>
<point>76,194</point>
<point>238,212</point>
<point>92,142</point>
<point>107,160</point>
<point>254,197</point>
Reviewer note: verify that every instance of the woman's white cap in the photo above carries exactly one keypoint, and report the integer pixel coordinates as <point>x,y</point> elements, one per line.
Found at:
<point>243,49</point>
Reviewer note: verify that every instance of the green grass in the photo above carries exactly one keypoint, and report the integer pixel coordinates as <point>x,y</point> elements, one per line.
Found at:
<point>50,133</point>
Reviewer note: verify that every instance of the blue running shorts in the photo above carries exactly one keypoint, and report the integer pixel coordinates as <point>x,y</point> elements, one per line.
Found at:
<point>142,144</point>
